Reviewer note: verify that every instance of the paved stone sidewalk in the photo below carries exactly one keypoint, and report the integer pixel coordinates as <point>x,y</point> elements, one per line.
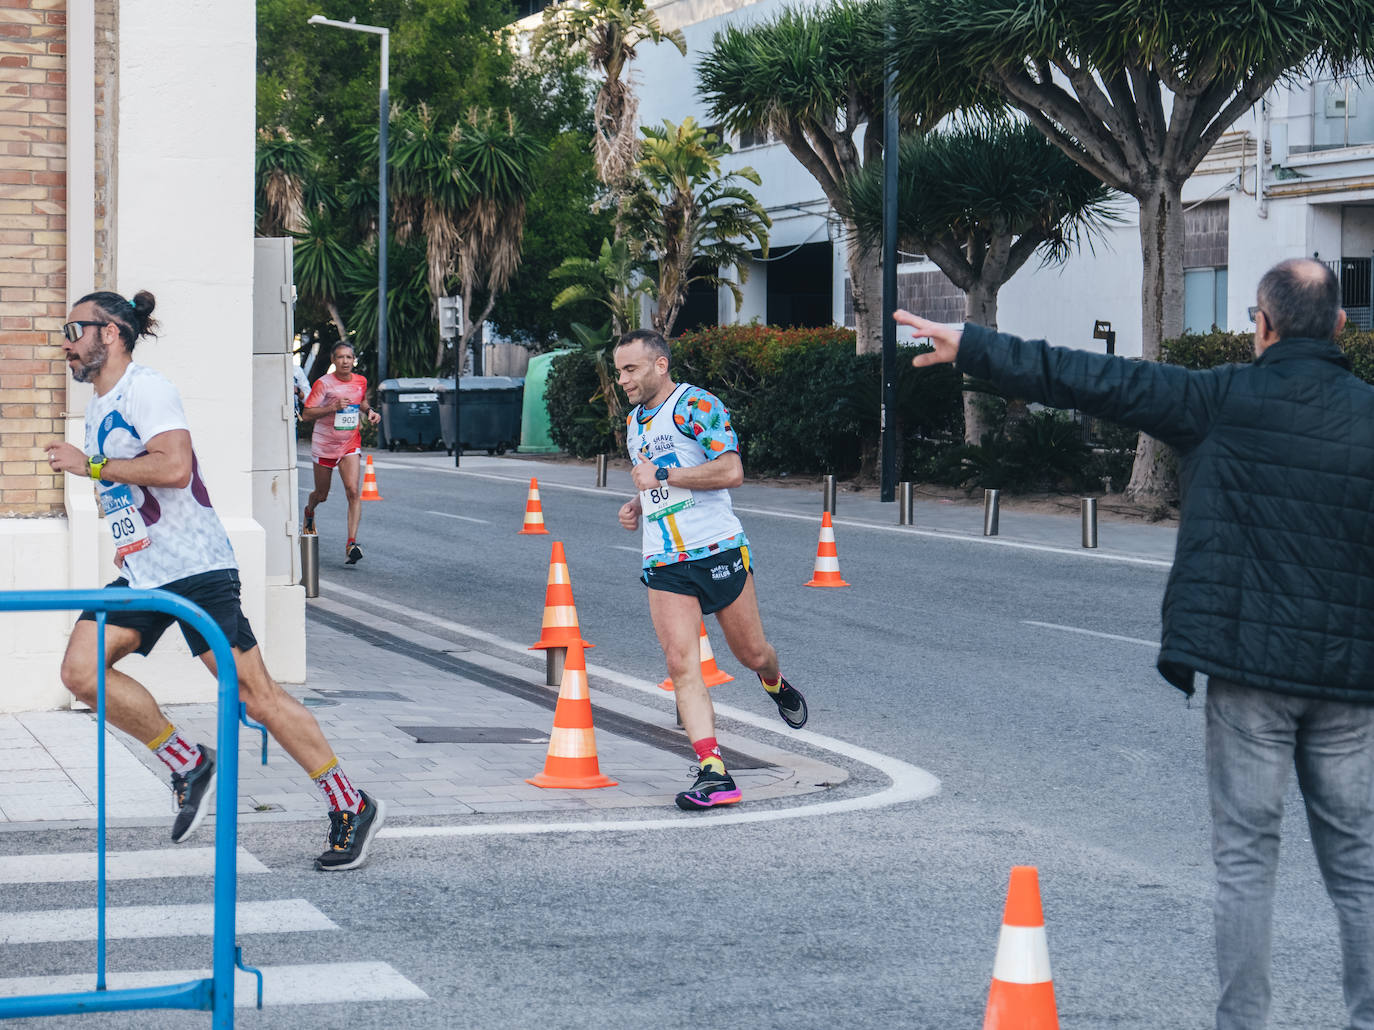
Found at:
<point>432,741</point>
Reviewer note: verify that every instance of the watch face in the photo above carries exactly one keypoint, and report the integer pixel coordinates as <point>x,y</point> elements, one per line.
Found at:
<point>661,474</point>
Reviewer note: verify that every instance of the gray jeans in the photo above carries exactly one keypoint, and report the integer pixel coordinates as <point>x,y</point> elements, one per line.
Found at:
<point>1253,738</point>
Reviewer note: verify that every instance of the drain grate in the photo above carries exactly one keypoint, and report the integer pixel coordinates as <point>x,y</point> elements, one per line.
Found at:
<point>475,735</point>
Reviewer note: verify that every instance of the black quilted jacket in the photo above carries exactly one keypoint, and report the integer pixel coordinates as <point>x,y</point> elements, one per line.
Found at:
<point>1273,576</point>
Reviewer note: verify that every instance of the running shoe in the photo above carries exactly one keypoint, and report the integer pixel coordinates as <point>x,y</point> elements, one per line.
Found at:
<point>791,704</point>
<point>355,553</point>
<point>308,526</point>
<point>351,835</point>
<point>191,794</point>
<point>711,789</point>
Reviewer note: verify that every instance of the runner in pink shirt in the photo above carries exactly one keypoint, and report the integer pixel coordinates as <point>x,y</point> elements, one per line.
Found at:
<point>337,404</point>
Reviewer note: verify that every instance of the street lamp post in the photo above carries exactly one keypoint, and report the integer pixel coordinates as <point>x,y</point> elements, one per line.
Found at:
<point>384,105</point>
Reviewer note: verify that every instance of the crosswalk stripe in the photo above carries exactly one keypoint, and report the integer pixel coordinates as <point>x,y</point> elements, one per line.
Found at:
<point>119,865</point>
<point>282,985</point>
<point>127,922</point>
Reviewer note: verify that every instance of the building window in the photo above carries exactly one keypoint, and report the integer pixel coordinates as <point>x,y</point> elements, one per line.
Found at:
<point>755,138</point>
<point>1204,299</point>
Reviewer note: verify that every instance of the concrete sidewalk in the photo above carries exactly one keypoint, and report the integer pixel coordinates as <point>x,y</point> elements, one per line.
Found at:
<point>437,730</point>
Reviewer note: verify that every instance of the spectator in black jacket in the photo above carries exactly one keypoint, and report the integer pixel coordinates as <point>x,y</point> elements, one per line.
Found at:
<point>1271,594</point>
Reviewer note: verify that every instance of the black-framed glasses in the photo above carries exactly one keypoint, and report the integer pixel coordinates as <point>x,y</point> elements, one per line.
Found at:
<point>73,331</point>
<point>1254,309</point>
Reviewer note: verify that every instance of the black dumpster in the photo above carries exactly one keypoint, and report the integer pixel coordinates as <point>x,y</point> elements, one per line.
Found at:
<point>489,418</point>
<point>410,412</point>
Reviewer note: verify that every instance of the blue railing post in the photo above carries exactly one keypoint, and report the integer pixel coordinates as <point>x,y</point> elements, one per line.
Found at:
<point>217,992</point>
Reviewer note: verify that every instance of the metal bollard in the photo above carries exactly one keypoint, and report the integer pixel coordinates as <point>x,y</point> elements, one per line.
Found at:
<point>1090,522</point>
<point>904,501</point>
<point>991,500</point>
<point>310,564</point>
<point>828,495</point>
<point>601,460</point>
<point>554,657</point>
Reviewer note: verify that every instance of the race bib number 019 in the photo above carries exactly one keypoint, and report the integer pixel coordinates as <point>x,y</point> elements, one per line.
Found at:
<point>662,500</point>
<point>346,418</point>
<point>126,524</point>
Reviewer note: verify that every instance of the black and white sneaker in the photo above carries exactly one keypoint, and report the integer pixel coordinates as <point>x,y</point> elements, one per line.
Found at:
<point>191,794</point>
<point>350,836</point>
<point>355,553</point>
<point>710,790</point>
<point>791,704</point>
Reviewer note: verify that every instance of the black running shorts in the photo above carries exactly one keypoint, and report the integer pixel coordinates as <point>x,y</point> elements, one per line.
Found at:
<point>217,592</point>
<point>715,581</point>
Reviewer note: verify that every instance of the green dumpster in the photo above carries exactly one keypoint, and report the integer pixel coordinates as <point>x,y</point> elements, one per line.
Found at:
<point>535,437</point>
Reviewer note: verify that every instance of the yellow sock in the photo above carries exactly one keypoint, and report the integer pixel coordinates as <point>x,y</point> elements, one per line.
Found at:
<point>773,687</point>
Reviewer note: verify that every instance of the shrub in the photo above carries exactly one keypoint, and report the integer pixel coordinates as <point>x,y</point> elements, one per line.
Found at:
<point>577,416</point>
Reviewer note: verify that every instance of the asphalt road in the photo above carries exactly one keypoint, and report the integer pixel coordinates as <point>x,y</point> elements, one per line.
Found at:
<point>1054,748</point>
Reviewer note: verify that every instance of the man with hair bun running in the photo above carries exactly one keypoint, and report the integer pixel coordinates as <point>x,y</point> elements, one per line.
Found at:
<point>138,453</point>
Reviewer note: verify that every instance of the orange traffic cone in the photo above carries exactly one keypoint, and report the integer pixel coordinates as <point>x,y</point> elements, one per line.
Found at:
<point>1022,994</point>
<point>560,627</point>
<point>370,492</point>
<point>571,761</point>
<point>534,512</point>
<point>827,569</point>
<point>711,673</point>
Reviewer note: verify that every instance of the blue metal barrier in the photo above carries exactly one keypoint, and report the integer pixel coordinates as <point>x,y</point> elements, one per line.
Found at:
<point>217,992</point>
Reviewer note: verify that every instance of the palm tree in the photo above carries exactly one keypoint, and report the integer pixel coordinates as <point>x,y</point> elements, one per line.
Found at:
<point>281,166</point>
<point>322,263</point>
<point>429,189</point>
<point>1137,94</point>
<point>497,158</point>
<point>685,215</point>
<point>608,32</point>
<point>812,78</point>
<point>980,201</point>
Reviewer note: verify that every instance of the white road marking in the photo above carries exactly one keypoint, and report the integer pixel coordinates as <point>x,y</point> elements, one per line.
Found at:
<point>129,922</point>
<point>989,541</point>
<point>465,518</point>
<point>282,985</point>
<point>909,783</point>
<point>622,547</point>
<point>119,865</point>
<point>1091,633</point>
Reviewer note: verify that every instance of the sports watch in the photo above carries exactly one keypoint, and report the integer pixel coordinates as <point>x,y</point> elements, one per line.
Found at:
<point>661,474</point>
<point>96,465</point>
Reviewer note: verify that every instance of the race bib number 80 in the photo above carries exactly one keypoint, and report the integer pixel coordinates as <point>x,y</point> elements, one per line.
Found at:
<point>125,523</point>
<point>662,500</point>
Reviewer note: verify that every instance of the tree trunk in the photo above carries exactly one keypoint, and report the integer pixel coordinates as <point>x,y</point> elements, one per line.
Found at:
<point>1161,309</point>
<point>980,306</point>
<point>866,287</point>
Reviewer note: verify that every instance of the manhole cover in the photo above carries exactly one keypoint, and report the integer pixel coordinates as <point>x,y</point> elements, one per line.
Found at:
<point>318,702</point>
<point>475,735</point>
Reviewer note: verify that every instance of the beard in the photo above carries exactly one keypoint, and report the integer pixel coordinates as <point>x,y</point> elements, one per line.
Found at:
<point>92,364</point>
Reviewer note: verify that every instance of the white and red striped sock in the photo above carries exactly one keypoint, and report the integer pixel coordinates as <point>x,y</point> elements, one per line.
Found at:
<point>176,752</point>
<point>338,789</point>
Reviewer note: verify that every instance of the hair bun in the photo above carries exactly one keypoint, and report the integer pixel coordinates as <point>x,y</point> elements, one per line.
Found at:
<point>143,304</point>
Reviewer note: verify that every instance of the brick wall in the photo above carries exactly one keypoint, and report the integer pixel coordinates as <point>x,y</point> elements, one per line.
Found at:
<point>33,223</point>
<point>929,294</point>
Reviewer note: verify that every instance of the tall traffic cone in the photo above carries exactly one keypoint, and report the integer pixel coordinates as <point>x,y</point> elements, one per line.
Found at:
<point>560,627</point>
<point>1022,994</point>
<point>711,673</point>
<point>370,492</point>
<point>571,760</point>
<point>827,570</point>
<point>534,512</point>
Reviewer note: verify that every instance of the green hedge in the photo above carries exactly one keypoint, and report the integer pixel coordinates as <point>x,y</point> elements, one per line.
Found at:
<point>1218,347</point>
<point>577,415</point>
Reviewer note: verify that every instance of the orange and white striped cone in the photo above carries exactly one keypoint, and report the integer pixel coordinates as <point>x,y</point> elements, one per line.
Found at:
<point>1022,994</point>
<point>711,673</point>
<point>560,628</point>
<point>571,761</point>
<point>827,570</point>
<point>534,512</point>
<point>370,492</point>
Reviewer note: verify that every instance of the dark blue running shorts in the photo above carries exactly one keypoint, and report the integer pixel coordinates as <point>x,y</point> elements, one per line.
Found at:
<point>715,581</point>
<point>216,591</point>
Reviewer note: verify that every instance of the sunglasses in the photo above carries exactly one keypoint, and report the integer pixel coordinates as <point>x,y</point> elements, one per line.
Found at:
<point>73,331</point>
